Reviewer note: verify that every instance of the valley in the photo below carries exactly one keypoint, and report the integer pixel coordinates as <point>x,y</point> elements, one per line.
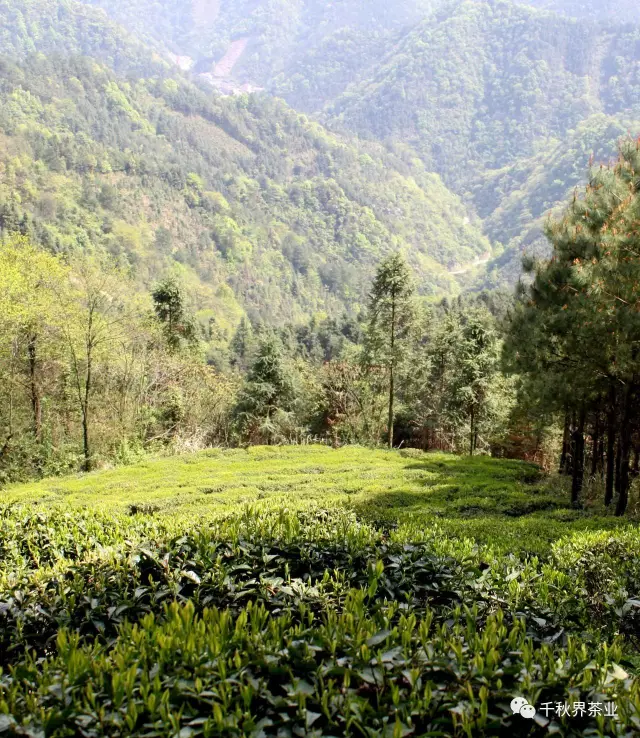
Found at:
<point>319,369</point>
<point>532,77</point>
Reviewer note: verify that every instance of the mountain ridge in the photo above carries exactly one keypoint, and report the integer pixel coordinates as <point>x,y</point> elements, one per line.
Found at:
<point>490,95</point>
<point>261,210</point>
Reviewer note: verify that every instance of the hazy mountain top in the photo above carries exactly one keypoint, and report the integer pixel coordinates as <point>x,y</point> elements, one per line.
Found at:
<point>490,95</point>
<point>307,51</point>
<point>613,10</point>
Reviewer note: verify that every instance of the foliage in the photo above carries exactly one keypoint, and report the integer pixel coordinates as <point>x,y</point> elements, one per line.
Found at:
<point>169,305</point>
<point>123,617</point>
<point>493,97</point>
<point>497,111</point>
<point>606,10</point>
<point>262,211</point>
<point>391,323</point>
<point>512,133</point>
<point>306,52</point>
<point>267,400</point>
<point>86,371</point>
<point>574,335</point>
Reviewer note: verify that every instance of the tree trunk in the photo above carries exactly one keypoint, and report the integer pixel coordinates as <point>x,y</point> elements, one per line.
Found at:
<point>578,459</point>
<point>565,445</point>
<point>391,402</point>
<point>601,453</point>
<point>611,446</point>
<point>625,452</point>
<point>85,412</point>
<point>391,370</point>
<point>623,495</point>
<point>471,430</point>
<point>5,447</point>
<point>595,445</point>
<point>571,449</point>
<point>36,404</point>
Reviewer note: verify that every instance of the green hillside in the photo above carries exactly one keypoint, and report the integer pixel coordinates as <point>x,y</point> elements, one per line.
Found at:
<point>516,201</point>
<point>67,27</point>
<point>480,86</point>
<point>307,51</point>
<point>481,91</point>
<point>508,104</point>
<point>261,208</point>
<point>244,244</point>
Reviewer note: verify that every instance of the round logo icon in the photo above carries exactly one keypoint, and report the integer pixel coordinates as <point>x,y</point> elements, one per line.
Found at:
<point>520,706</point>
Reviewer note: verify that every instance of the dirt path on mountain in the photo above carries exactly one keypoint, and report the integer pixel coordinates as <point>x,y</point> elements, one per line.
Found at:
<point>225,66</point>
<point>484,259</point>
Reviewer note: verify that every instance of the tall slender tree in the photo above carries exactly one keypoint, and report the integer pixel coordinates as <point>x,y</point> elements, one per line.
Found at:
<point>30,319</point>
<point>102,314</point>
<point>476,356</point>
<point>391,322</point>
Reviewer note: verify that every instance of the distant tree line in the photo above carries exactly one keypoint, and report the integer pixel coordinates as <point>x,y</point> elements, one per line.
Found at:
<point>95,370</point>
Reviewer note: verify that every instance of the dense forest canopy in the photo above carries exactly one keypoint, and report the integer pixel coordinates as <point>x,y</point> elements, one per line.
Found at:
<point>484,92</point>
<point>479,86</point>
<point>306,50</point>
<point>603,10</point>
<point>264,210</point>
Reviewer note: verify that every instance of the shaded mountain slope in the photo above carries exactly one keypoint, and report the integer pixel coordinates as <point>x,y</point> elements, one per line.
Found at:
<point>479,87</point>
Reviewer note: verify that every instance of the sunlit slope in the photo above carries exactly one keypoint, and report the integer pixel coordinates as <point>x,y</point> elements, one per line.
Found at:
<point>262,210</point>
<point>497,502</point>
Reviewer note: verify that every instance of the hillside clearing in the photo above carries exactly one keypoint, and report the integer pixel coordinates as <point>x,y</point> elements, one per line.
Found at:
<point>504,504</point>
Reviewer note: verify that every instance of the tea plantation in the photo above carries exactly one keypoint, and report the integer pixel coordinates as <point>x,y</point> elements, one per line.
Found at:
<point>315,592</point>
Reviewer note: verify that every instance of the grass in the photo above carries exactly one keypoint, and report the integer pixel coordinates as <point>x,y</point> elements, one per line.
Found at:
<point>280,592</point>
<point>504,504</point>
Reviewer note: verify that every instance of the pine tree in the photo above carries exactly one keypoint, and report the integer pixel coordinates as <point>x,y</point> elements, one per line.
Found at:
<point>391,322</point>
<point>170,309</point>
<point>269,389</point>
<point>476,363</point>
<point>241,345</point>
<point>578,326</point>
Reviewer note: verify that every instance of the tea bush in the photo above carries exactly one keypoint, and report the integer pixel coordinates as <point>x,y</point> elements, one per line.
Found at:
<point>309,591</point>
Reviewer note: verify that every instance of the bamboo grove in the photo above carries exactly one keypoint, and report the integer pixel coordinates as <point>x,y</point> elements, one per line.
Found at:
<point>575,333</point>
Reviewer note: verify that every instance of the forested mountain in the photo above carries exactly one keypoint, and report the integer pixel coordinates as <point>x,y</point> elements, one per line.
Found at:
<point>306,51</point>
<point>516,201</point>
<point>604,10</point>
<point>479,87</point>
<point>264,209</point>
<point>484,91</point>
<point>67,28</point>
<point>309,51</point>
<point>507,103</point>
